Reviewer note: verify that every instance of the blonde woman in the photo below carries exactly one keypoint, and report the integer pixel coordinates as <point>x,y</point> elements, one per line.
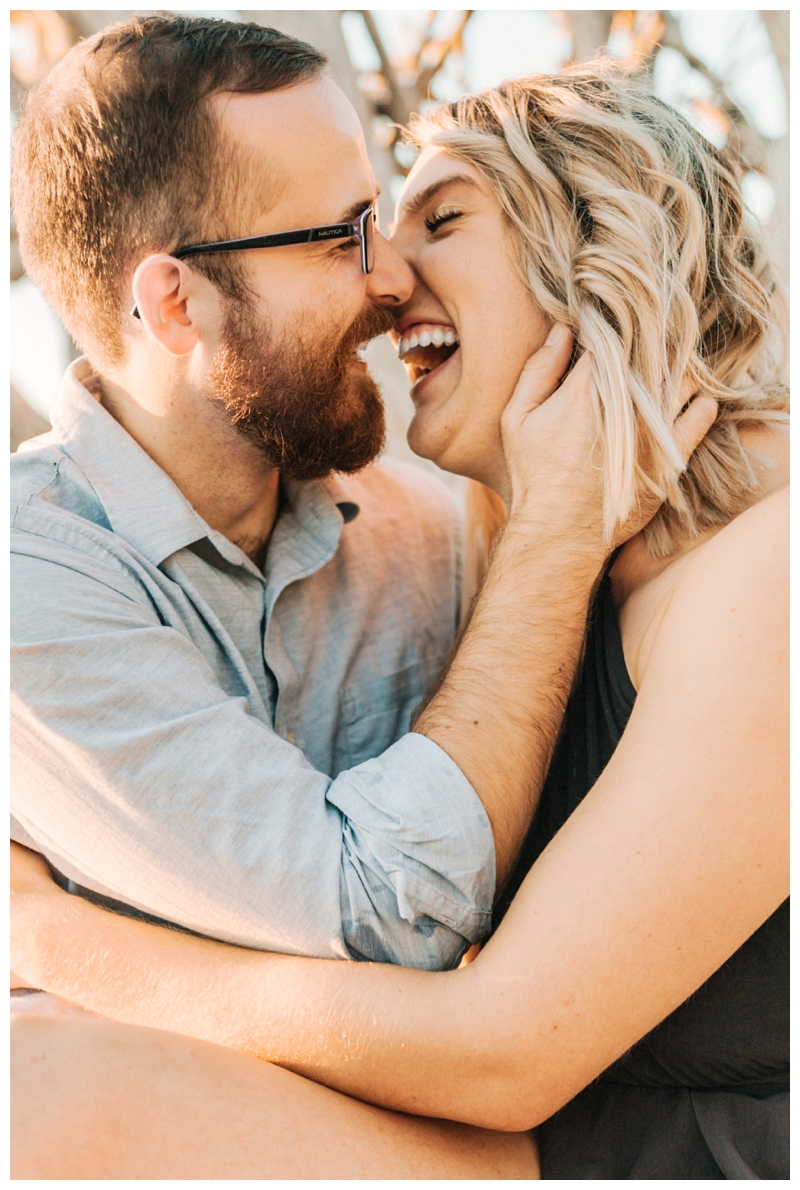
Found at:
<point>631,1004</point>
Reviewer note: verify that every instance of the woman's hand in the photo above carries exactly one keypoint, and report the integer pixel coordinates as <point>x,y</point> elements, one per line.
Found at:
<point>32,886</point>
<point>549,437</point>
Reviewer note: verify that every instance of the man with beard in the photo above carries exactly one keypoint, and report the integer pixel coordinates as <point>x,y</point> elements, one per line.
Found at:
<point>220,629</point>
<point>306,402</point>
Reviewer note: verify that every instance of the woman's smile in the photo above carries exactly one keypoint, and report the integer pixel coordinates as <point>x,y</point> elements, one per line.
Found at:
<point>427,374</point>
<point>425,348</point>
<point>470,324</point>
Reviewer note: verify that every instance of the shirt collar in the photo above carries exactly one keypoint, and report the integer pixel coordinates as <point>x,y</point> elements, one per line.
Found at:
<point>148,510</point>
<point>307,532</point>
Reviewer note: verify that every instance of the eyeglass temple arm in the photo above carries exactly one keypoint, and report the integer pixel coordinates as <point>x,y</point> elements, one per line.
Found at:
<point>304,235</point>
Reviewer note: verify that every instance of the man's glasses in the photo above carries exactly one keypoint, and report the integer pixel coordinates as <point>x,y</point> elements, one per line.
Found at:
<point>363,231</point>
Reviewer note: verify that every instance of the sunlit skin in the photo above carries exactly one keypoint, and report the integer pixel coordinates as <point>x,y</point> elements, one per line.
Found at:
<point>308,151</point>
<point>450,229</point>
<point>464,279</point>
<point>676,869</point>
<point>320,176</point>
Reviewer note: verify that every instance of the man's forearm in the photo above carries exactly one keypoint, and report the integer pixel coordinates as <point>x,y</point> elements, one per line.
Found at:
<point>498,709</point>
<point>499,706</point>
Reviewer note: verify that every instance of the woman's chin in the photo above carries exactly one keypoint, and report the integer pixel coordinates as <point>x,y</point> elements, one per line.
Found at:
<point>428,438</point>
<point>431,438</point>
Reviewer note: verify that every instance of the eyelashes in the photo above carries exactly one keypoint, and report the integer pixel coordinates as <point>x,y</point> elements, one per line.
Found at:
<point>445,215</point>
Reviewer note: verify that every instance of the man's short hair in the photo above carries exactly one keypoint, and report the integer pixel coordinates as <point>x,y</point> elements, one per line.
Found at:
<point>117,155</point>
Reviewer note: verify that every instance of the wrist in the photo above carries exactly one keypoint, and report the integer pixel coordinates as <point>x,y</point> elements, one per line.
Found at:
<point>555,548</point>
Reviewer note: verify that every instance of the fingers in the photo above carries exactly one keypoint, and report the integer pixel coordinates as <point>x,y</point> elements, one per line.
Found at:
<point>692,426</point>
<point>686,392</point>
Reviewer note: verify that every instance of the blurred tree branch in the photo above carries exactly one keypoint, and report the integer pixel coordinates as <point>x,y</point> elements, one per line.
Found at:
<point>777,24</point>
<point>747,145</point>
<point>756,153</point>
<point>590,29</point>
<point>386,97</point>
<point>408,83</point>
<point>636,37</point>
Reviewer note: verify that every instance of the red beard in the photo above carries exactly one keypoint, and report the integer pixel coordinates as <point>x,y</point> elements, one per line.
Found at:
<point>300,400</point>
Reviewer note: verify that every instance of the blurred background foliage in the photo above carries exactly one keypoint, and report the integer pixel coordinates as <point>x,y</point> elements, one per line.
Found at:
<point>727,71</point>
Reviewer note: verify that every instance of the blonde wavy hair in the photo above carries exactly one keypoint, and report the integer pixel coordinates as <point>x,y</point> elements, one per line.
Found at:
<point>629,227</point>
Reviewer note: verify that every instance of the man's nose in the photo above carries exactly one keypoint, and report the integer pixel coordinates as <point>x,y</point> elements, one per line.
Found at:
<point>391,281</point>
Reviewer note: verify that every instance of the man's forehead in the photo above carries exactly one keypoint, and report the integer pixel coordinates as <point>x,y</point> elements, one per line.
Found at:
<point>307,111</point>
<point>308,136</point>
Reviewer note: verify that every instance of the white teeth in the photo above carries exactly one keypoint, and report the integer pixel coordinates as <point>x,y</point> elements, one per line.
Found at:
<point>432,336</point>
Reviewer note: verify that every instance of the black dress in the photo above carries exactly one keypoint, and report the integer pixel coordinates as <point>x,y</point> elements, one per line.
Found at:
<point>706,1093</point>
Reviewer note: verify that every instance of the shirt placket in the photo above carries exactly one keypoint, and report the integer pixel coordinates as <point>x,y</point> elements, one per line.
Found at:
<point>305,538</point>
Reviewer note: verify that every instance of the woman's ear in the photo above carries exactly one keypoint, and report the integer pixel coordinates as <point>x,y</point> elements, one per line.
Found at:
<point>164,290</point>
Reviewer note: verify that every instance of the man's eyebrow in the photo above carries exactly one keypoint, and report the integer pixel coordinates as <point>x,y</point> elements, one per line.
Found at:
<point>358,208</point>
<point>416,203</point>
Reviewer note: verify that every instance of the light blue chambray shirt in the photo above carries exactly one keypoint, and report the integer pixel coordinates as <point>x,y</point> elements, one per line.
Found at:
<point>229,750</point>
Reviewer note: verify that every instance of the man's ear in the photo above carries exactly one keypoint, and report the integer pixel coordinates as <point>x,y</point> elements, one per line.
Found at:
<point>166,297</point>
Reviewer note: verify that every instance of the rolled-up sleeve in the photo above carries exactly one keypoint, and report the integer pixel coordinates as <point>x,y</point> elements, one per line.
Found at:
<point>141,778</point>
<point>418,852</point>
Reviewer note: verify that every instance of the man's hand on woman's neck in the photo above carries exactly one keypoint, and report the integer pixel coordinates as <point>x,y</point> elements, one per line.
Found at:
<point>226,479</point>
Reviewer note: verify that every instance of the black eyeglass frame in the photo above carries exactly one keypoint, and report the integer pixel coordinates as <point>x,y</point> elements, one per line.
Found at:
<point>361,230</point>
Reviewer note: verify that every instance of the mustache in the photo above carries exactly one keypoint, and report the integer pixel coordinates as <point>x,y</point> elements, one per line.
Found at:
<point>296,396</point>
<point>371,322</point>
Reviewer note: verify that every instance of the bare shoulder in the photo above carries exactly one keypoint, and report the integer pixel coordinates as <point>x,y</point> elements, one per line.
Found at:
<point>682,843</point>
<point>726,621</point>
<point>751,553</point>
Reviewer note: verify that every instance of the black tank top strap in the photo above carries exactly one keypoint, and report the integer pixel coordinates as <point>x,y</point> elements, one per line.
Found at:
<point>597,714</point>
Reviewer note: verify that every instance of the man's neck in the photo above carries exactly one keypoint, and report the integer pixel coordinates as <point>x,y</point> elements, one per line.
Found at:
<point>225,478</point>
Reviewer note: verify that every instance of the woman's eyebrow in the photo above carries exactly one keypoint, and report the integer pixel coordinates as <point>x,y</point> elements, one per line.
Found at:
<point>419,200</point>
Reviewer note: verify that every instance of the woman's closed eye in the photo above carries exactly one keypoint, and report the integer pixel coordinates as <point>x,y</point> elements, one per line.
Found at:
<point>443,215</point>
